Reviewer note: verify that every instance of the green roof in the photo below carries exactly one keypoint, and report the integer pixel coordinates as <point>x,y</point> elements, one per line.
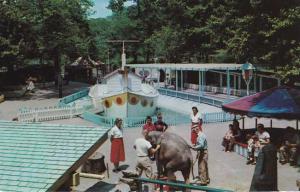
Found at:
<point>39,157</point>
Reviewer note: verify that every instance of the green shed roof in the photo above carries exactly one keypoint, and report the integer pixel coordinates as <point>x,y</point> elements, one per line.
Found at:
<point>40,157</point>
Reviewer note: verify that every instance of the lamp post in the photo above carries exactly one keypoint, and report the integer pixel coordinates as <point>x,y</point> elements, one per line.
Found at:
<point>61,80</point>
<point>247,71</point>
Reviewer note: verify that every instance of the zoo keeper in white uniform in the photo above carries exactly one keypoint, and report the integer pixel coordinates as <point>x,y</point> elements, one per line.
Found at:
<point>143,151</point>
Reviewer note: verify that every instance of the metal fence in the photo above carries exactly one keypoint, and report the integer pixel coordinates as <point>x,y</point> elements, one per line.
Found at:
<point>172,119</point>
<point>181,186</point>
<point>50,113</point>
<point>191,96</point>
<point>217,117</point>
<point>70,98</point>
<point>220,90</point>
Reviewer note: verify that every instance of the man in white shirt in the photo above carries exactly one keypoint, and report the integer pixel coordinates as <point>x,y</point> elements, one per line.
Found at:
<point>263,136</point>
<point>143,151</point>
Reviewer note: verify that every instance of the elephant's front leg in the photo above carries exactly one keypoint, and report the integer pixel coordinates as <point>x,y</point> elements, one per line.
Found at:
<point>159,166</point>
<point>170,169</point>
<point>186,175</point>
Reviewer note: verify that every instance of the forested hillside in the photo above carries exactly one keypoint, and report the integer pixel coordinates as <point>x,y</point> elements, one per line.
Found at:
<point>263,32</point>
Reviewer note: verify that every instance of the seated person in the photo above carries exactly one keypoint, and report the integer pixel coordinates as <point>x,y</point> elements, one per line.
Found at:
<point>30,85</point>
<point>288,149</point>
<point>262,134</point>
<point>252,149</point>
<point>226,139</point>
<point>236,132</point>
<point>257,142</point>
<point>159,124</point>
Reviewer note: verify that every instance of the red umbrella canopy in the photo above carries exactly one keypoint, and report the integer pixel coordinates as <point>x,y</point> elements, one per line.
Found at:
<point>280,102</point>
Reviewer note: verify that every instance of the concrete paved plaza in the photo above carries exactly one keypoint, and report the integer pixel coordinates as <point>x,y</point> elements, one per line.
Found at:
<point>227,170</point>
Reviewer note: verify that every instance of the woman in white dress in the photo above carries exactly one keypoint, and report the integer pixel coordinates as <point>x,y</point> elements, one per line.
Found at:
<point>117,153</point>
<point>196,124</point>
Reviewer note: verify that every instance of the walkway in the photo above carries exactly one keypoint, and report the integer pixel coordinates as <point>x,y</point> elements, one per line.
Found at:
<point>184,106</point>
<point>41,98</point>
<point>227,170</point>
<point>235,174</point>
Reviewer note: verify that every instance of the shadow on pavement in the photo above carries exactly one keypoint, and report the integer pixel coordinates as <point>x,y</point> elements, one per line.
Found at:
<point>101,186</point>
<point>123,167</point>
<point>44,93</point>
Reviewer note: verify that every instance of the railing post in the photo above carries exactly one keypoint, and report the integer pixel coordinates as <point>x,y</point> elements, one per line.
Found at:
<point>140,185</point>
<point>161,187</point>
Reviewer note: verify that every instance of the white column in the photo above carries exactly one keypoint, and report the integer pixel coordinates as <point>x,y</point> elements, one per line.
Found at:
<point>176,85</point>
<point>200,82</point>
<point>240,82</point>
<point>234,81</point>
<point>278,82</point>
<point>260,83</point>
<point>221,80</point>
<point>158,80</point>
<point>166,82</point>
<point>181,79</point>
<point>228,83</point>
<point>204,80</point>
<point>254,82</point>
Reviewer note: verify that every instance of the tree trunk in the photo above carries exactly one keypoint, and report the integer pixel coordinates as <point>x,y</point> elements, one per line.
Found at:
<point>58,73</point>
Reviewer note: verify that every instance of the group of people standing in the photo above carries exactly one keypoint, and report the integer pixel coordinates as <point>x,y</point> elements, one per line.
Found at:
<point>199,142</point>
<point>145,151</point>
<point>117,144</point>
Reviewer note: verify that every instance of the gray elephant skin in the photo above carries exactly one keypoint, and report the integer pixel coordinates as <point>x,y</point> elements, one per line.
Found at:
<point>174,154</point>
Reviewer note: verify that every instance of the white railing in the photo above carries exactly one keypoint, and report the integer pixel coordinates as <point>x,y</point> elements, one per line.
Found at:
<point>219,90</point>
<point>217,117</point>
<point>50,113</point>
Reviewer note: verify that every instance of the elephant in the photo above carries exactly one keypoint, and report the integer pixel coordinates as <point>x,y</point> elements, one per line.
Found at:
<point>174,154</point>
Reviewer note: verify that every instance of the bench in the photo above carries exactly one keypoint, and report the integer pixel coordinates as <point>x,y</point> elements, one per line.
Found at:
<point>240,148</point>
<point>275,133</point>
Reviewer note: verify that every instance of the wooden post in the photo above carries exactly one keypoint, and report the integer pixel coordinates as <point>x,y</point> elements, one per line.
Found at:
<point>243,123</point>
<point>271,123</point>
<point>255,123</point>
<point>297,125</point>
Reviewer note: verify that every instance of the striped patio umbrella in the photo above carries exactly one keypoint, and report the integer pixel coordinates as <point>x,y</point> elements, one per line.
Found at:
<point>280,102</point>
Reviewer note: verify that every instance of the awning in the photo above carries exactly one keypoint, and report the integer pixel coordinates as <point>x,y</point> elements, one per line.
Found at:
<point>280,102</point>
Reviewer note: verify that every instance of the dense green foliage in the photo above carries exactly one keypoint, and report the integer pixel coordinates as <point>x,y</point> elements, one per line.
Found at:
<point>45,30</point>
<point>264,32</point>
